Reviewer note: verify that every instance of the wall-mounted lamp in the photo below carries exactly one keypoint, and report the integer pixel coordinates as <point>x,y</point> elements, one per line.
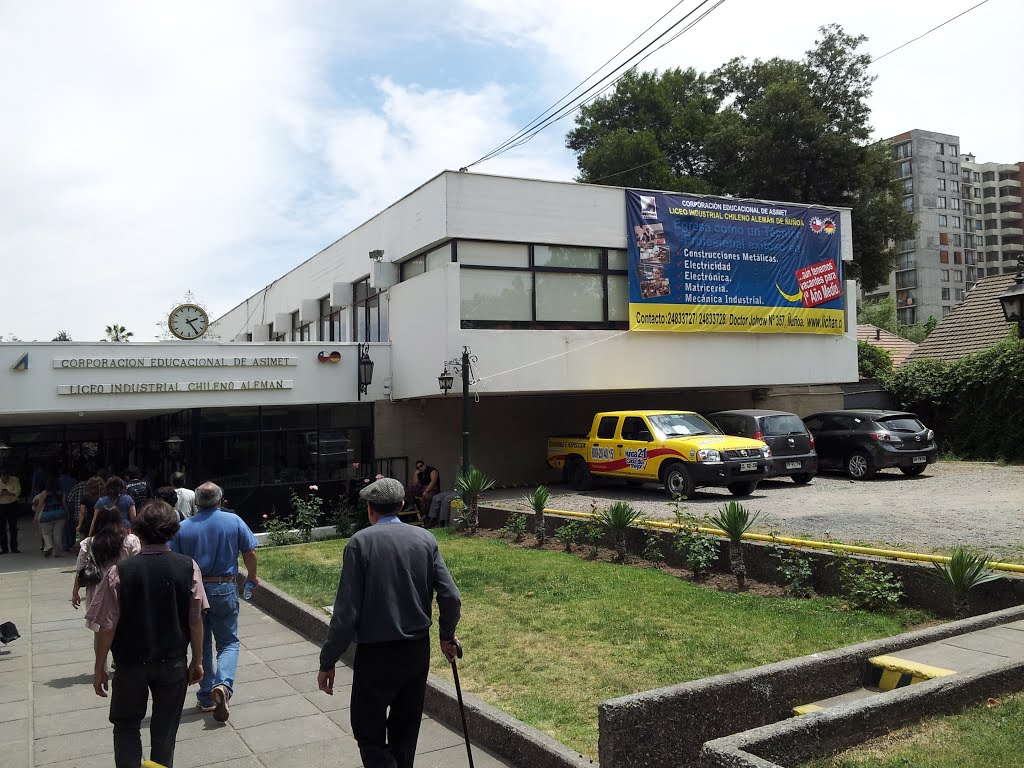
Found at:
<point>174,445</point>
<point>1012,299</point>
<point>365,368</point>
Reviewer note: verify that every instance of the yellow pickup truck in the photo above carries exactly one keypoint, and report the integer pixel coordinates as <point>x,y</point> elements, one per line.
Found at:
<point>679,449</point>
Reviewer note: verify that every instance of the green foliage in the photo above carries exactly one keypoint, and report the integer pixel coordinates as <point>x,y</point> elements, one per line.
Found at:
<point>882,314</point>
<point>652,548</point>
<point>735,519</point>
<point>515,526</point>
<point>538,501</point>
<point>279,529</point>
<point>777,130</point>
<point>350,518</point>
<point>471,485</point>
<point>298,526</point>
<point>975,404</point>
<point>964,571</point>
<point>569,534</point>
<point>796,570</point>
<point>868,586</point>
<point>698,550</point>
<point>593,535</point>
<point>616,521</point>
<point>873,362</point>
<point>117,333</point>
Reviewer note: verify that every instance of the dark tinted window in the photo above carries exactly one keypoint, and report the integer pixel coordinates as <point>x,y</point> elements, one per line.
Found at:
<point>814,423</point>
<point>902,424</point>
<point>635,428</point>
<point>835,423</point>
<point>727,423</point>
<point>781,425</point>
<point>606,429</point>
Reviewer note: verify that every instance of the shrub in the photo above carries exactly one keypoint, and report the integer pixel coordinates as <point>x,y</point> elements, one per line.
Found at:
<point>867,585</point>
<point>279,529</point>
<point>593,535</point>
<point>796,571</point>
<point>652,547</point>
<point>306,512</point>
<point>873,362</point>
<point>538,500</point>
<point>569,534</point>
<point>615,522</point>
<point>471,486</point>
<point>698,550</point>
<point>735,520</point>
<point>515,526</point>
<point>964,571</point>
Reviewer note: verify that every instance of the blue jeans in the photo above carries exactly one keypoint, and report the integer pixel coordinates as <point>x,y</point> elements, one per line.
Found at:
<point>220,624</point>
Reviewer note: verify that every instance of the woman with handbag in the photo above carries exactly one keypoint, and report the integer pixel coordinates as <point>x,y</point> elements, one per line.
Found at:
<point>109,544</point>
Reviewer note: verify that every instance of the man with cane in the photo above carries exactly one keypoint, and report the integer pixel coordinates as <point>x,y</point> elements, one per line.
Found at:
<point>390,574</point>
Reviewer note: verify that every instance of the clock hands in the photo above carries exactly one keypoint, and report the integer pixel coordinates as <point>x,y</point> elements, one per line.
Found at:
<point>189,322</point>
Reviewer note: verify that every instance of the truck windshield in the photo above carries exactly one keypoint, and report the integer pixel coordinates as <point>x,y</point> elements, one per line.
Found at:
<point>678,424</point>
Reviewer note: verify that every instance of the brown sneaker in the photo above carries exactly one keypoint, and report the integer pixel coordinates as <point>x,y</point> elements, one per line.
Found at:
<point>220,703</point>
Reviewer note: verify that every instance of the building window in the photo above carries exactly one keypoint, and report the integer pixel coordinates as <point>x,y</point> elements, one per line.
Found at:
<point>906,279</point>
<point>945,294</point>
<point>904,150</point>
<point>954,167</point>
<point>957,239</point>
<point>908,245</point>
<point>943,220</point>
<point>958,294</point>
<point>940,202</point>
<point>958,258</point>
<point>942,148</point>
<point>300,332</point>
<point>944,257</point>
<point>906,261</point>
<point>954,185</point>
<point>975,176</point>
<point>954,150</point>
<point>510,285</point>
<point>944,274</point>
<point>946,310</point>
<point>943,238</point>
<point>957,224</point>
<point>978,225</point>
<point>958,275</point>
<point>906,168</point>
<point>955,203</point>
<point>369,313</point>
<point>426,262</point>
<point>970,258</point>
<point>908,186</point>
<point>908,204</point>
<point>331,322</point>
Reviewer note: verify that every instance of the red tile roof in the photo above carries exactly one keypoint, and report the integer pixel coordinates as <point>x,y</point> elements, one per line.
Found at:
<point>899,347</point>
<point>972,326</point>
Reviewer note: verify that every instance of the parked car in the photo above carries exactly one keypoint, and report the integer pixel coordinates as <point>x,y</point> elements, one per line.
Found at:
<point>861,442</point>
<point>792,446</point>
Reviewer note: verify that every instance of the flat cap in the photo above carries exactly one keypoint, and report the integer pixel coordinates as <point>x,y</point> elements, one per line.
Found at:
<point>387,490</point>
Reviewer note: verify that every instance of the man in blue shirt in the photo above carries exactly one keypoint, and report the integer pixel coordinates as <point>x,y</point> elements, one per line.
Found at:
<point>214,539</point>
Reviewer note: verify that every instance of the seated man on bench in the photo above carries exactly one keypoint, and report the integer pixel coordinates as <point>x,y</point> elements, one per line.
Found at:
<point>426,483</point>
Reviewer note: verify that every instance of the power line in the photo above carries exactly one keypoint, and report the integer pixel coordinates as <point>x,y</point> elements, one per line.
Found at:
<point>947,21</point>
<point>526,134</point>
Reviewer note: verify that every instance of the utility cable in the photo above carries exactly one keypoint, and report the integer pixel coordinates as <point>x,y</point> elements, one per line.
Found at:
<point>947,21</point>
<point>617,74</point>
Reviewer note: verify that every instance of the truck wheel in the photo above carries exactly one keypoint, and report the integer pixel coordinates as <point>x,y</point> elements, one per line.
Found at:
<point>677,480</point>
<point>742,489</point>
<point>578,475</point>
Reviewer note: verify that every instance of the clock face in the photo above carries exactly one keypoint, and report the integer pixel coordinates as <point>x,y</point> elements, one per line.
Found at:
<point>188,321</point>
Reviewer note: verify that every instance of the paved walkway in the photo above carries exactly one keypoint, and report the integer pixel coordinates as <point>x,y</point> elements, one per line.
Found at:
<point>49,715</point>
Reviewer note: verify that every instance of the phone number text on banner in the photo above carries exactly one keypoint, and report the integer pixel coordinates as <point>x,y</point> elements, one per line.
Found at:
<point>728,265</point>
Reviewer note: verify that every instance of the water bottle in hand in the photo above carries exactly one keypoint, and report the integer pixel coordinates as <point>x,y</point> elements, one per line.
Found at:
<point>247,590</point>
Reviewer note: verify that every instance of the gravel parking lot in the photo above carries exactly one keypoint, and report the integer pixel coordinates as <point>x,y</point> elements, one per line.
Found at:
<point>951,504</point>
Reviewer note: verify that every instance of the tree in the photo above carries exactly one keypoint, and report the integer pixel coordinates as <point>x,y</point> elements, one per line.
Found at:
<point>882,314</point>
<point>873,362</point>
<point>118,333</point>
<point>63,336</point>
<point>780,129</point>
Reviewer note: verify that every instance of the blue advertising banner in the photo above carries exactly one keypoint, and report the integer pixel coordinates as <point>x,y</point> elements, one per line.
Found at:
<point>722,264</point>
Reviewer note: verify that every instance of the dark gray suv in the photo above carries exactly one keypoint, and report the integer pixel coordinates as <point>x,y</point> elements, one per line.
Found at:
<point>792,446</point>
<point>861,442</point>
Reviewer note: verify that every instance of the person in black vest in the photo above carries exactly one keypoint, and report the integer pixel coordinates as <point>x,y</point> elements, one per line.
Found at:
<point>148,611</point>
<point>427,482</point>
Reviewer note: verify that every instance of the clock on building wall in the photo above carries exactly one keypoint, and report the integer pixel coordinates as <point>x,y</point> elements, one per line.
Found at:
<point>188,321</point>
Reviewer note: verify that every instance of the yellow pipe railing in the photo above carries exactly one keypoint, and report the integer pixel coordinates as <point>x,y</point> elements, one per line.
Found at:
<point>832,545</point>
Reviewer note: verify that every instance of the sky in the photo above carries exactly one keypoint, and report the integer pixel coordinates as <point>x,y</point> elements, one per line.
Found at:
<point>152,149</point>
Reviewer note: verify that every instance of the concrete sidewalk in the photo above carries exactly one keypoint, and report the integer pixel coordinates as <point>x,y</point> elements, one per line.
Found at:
<point>50,716</point>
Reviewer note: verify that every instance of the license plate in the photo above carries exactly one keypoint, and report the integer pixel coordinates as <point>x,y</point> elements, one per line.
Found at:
<point>920,459</point>
<point>793,465</point>
<point>748,466</point>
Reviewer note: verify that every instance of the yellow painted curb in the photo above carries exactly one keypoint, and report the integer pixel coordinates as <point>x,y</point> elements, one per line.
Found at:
<point>893,554</point>
<point>806,709</point>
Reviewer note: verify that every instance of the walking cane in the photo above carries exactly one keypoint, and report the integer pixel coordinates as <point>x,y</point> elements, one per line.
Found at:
<point>462,709</point>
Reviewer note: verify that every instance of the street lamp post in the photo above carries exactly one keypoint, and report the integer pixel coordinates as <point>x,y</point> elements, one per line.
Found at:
<point>463,365</point>
<point>1013,299</point>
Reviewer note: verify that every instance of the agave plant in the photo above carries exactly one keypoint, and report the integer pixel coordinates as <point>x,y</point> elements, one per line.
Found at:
<point>735,520</point>
<point>471,486</point>
<point>964,571</point>
<point>538,500</point>
<point>616,521</point>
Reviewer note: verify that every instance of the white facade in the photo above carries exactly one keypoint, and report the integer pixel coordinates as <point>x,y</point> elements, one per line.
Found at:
<point>425,311</point>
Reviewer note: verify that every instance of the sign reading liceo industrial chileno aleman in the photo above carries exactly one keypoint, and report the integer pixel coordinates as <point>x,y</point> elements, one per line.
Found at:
<point>726,265</point>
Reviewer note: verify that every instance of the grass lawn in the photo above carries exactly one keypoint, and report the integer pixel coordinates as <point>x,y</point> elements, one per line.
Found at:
<point>549,635</point>
<point>983,737</point>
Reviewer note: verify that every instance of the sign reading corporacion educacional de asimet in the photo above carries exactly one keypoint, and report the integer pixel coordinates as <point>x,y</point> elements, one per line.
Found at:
<point>701,263</point>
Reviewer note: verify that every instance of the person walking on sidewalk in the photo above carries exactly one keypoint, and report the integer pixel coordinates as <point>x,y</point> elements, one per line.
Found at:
<point>214,539</point>
<point>10,493</point>
<point>390,573</point>
<point>148,611</point>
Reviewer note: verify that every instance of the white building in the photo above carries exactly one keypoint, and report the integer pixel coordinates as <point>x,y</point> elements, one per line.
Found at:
<point>529,275</point>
